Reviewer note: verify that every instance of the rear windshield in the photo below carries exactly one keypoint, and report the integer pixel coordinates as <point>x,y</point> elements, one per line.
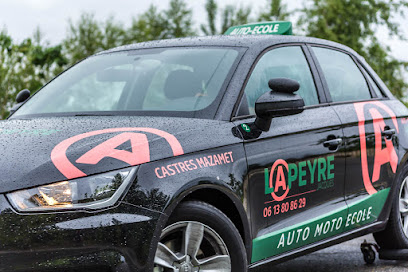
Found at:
<point>181,81</point>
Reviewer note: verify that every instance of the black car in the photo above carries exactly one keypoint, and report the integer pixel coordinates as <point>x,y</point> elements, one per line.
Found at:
<point>221,153</point>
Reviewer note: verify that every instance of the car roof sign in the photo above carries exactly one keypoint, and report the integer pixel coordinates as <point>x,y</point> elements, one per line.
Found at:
<point>261,28</point>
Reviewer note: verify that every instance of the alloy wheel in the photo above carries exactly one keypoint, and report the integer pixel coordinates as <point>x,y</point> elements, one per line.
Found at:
<point>403,206</point>
<point>189,246</point>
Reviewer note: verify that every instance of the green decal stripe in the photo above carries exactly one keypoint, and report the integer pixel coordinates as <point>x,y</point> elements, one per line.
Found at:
<point>359,213</point>
<point>375,201</point>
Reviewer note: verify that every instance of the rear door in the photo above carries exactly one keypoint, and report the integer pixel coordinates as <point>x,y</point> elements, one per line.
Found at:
<point>296,169</point>
<point>371,133</point>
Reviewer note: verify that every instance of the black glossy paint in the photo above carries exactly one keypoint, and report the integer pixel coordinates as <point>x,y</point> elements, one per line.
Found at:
<point>116,237</point>
<point>40,136</point>
<point>125,236</point>
<point>295,141</point>
<point>354,187</point>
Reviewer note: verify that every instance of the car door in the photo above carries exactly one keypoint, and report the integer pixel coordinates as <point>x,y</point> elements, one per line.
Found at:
<point>296,169</point>
<point>370,129</point>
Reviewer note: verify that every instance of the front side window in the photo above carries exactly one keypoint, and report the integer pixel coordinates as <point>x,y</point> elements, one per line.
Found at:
<point>343,77</point>
<point>288,62</point>
<point>163,80</point>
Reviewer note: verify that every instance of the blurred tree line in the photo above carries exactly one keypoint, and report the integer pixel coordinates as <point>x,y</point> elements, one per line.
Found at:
<point>33,62</point>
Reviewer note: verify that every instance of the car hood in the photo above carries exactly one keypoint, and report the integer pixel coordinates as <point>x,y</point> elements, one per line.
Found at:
<point>45,150</point>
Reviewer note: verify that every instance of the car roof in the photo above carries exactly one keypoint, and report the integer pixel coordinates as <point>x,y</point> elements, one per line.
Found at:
<point>258,41</point>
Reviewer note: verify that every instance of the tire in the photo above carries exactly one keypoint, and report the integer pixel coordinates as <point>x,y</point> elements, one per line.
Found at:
<point>219,246</point>
<point>395,235</point>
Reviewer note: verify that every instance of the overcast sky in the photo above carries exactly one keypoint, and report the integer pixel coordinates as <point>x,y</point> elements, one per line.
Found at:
<point>21,17</point>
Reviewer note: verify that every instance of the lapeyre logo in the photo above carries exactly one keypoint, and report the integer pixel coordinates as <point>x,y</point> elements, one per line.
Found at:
<point>314,174</point>
<point>382,155</point>
<point>140,151</point>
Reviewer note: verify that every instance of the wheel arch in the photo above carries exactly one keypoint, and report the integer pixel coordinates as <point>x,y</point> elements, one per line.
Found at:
<point>389,229</point>
<point>403,163</point>
<point>224,200</point>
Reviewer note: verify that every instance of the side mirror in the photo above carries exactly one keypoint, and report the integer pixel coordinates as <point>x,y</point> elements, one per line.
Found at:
<point>281,101</point>
<point>23,96</point>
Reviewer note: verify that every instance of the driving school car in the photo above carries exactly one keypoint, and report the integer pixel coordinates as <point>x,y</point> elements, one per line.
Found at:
<point>222,153</point>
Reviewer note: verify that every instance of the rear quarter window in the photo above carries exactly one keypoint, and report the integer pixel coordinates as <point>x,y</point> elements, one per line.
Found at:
<point>374,85</point>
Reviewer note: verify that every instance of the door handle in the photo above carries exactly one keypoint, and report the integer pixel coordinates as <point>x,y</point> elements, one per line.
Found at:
<point>388,133</point>
<point>333,144</point>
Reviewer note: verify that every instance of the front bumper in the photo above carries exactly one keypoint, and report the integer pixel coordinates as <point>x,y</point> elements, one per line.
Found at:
<point>116,239</point>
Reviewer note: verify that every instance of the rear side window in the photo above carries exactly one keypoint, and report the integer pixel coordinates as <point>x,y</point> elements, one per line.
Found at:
<point>288,62</point>
<point>343,77</point>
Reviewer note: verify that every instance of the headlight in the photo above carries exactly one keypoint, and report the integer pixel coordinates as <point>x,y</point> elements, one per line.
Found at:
<point>93,192</point>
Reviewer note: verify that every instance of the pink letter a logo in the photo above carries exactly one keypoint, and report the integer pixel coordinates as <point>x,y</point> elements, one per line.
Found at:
<point>382,156</point>
<point>139,154</point>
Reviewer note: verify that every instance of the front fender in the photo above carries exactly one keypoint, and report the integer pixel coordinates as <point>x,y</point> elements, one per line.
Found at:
<point>163,184</point>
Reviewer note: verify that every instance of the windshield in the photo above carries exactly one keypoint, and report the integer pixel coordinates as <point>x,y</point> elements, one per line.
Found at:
<point>159,81</point>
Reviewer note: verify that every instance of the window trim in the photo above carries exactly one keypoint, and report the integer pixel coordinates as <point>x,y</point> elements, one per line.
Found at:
<point>323,93</point>
<point>321,96</point>
<point>320,72</point>
<point>328,104</point>
<point>243,117</point>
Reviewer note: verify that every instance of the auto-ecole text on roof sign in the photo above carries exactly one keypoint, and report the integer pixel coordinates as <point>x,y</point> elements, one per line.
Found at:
<point>264,28</point>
